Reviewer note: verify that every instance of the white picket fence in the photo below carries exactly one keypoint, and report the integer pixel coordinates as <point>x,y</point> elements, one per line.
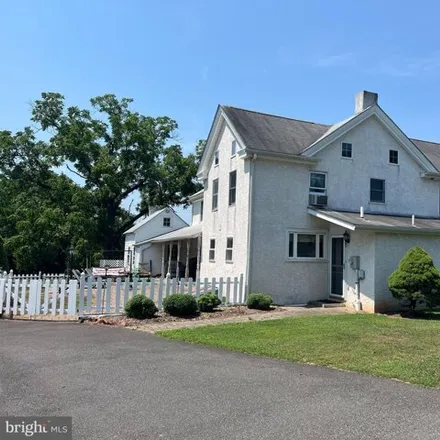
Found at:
<point>23,295</point>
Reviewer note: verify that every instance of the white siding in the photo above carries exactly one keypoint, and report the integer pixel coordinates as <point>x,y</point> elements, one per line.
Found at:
<point>227,221</point>
<point>280,203</point>
<point>348,180</point>
<point>196,215</point>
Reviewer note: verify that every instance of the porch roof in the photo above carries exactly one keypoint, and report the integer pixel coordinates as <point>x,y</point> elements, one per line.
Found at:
<point>378,222</point>
<point>192,231</point>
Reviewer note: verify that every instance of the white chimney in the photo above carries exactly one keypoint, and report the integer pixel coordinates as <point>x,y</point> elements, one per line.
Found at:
<point>364,100</point>
<point>413,220</point>
<point>361,213</point>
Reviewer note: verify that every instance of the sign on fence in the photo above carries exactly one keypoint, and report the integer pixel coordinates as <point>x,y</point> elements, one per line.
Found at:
<point>29,295</point>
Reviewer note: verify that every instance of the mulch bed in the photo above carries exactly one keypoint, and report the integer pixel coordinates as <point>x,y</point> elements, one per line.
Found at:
<point>161,317</point>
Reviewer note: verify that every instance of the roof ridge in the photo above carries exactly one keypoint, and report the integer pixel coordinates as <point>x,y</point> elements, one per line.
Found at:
<point>276,116</point>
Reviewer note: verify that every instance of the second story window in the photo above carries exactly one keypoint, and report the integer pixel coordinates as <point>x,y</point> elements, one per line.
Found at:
<point>201,211</point>
<point>216,157</point>
<point>232,187</point>
<point>394,157</point>
<point>167,222</point>
<point>215,195</point>
<point>318,183</point>
<point>346,150</point>
<point>233,148</point>
<point>377,190</point>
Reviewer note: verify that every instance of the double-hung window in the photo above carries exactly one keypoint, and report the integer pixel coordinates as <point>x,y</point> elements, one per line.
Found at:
<point>232,187</point>
<point>377,190</point>
<point>306,245</point>
<point>215,194</point>
<point>212,249</point>
<point>229,247</point>
<point>318,183</point>
<point>394,157</point>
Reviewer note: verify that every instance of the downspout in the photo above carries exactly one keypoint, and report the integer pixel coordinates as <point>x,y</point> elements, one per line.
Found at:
<point>250,231</point>
<point>357,303</point>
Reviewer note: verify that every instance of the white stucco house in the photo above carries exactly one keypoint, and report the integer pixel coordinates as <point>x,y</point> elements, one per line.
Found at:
<point>310,211</point>
<point>140,253</point>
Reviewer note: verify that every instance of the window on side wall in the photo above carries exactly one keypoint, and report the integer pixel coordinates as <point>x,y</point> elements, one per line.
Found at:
<point>212,249</point>
<point>233,148</point>
<point>216,157</point>
<point>167,222</point>
<point>318,183</point>
<point>201,210</point>
<point>232,187</point>
<point>394,157</point>
<point>215,195</point>
<point>229,247</point>
<point>306,245</point>
<point>346,150</point>
<point>377,190</point>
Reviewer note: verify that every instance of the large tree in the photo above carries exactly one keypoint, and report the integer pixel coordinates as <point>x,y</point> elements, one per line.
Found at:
<point>116,152</point>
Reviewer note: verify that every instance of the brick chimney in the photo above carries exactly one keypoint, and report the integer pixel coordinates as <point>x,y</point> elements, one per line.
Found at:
<point>364,100</point>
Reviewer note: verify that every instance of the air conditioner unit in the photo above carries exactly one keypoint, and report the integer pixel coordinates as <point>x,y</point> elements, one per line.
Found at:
<point>317,200</point>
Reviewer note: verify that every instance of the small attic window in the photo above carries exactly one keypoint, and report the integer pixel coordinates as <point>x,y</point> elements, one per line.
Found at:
<point>167,222</point>
<point>216,155</point>
<point>394,157</point>
<point>233,148</point>
<point>346,150</point>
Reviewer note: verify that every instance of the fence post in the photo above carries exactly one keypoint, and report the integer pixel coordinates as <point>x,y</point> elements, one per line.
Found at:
<point>71,305</point>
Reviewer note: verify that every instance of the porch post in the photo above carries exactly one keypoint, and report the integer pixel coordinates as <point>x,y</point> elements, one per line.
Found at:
<point>162,267</point>
<point>188,245</point>
<point>199,244</point>
<point>169,257</point>
<point>178,259</point>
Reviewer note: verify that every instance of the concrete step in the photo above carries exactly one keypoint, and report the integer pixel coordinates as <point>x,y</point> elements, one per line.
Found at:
<point>327,303</point>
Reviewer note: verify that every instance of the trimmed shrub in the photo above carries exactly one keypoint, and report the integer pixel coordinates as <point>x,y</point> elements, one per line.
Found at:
<point>416,280</point>
<point>259,301</point>
<point>208,302</point>
<point>140,307</point>
<point>180,305</point>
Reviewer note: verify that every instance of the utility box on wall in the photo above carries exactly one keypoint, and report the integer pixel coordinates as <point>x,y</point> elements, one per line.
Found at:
<point>355,262</point>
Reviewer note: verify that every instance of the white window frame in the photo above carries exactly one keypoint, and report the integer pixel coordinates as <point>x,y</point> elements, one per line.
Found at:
<point>216,158</point>
<point>389,157</point>
<point>233,148</point>
<point>295,233</point>
<point>229,249</point>
<point>211,249</point>
<point>316,190</point>
<point>163,222</point>
<point>351,150</point>
<point>215,195</point>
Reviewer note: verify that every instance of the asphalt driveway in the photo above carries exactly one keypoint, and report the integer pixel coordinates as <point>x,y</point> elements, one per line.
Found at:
<point>121,384</point>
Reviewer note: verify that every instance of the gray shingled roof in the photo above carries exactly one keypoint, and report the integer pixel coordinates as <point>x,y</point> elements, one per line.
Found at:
<point>277,134</point>
<point>430,149</point>
<point>382,221</point>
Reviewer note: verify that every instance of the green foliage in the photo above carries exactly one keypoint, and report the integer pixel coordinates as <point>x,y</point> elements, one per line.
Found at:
<point>140,307</point>
<point>103,155</point>
<point>259,301</point>
<point>208,302</point>
<point>416,280</point>
<point>180,305</point>
<point>4,264</point>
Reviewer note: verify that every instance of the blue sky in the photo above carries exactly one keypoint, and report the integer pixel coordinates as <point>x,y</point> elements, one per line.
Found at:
<point>304,59</point>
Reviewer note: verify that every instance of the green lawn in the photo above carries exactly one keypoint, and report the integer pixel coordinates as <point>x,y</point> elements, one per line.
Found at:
<point>404,349</point>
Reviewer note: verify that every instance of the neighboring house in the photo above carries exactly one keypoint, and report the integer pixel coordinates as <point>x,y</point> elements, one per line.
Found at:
<point>141,254</point>
<point>290,204</point>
